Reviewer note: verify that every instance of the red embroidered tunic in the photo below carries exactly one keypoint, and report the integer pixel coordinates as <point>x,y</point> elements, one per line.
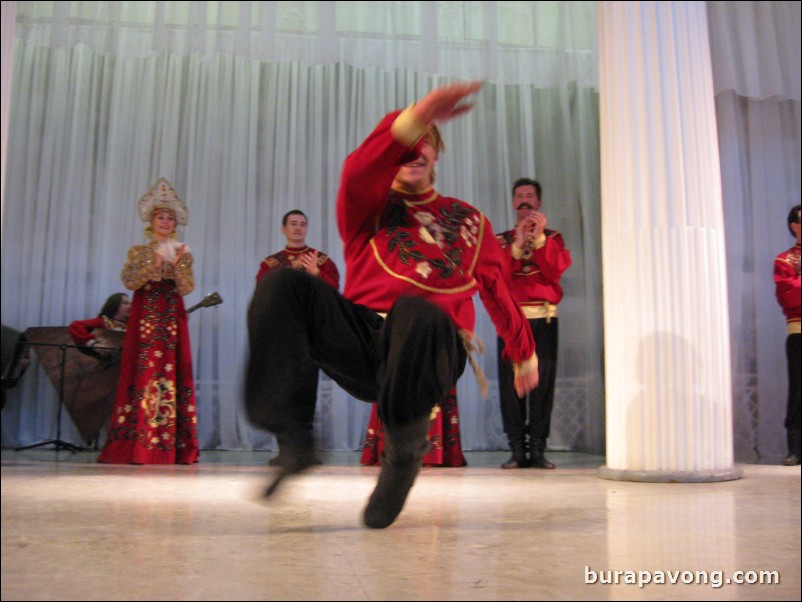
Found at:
<point>438,247</point>
<point>536,274</point>
<point>285,257</point>
<point>786,280</point>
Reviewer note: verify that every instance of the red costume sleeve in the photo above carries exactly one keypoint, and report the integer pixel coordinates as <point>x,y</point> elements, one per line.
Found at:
<point>263,271</point>
<point>81,330</point>
<point>552,258</point>
<point>511,325</point>
<point>329,273</point>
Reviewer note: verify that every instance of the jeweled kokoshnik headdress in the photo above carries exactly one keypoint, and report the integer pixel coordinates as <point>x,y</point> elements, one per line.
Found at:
<point>162,195</point>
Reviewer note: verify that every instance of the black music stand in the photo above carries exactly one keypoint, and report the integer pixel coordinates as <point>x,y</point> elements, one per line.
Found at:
<point>57,442</point>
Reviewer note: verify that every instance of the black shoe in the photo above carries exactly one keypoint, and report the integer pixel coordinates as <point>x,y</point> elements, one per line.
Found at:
<point>517,460</point>
<point>293,461</point>
<point>538,460</point>
<point>387,500</point>
<point>403,450</point>
<point>791,459</point>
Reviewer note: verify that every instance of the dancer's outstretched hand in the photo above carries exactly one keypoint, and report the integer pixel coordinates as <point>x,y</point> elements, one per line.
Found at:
<point>445,102</point>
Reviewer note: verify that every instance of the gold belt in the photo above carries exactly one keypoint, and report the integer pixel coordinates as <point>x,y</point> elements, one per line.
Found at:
<point>540,310</point>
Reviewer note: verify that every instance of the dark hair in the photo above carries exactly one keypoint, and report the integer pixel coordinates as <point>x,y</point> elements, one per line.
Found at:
<point>793,218</point>
<point>528,182</point>
<point>293,212</point>
<point>112,304</point>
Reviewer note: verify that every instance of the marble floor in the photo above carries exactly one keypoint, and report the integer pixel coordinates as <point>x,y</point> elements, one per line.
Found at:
<point>76,530</point>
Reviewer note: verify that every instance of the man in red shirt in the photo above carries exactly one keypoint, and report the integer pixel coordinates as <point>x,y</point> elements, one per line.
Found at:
<point>786,281</point>
<point>538,258</point>
<point>113,316</point>
<point>402,332</point>
<point>298,255</point>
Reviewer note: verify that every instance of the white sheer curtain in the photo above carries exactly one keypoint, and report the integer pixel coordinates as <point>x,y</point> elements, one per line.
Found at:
<point>249,109</point>
<point>545,43</point>
<point>755,48</point>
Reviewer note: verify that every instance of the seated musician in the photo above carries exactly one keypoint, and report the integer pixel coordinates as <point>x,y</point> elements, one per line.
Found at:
<point>113,316</point>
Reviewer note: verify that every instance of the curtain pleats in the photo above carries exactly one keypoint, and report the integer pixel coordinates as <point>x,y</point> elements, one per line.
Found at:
<point>244,142</point>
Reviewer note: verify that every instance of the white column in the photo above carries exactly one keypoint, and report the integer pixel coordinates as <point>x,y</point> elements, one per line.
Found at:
<point>667,348</point>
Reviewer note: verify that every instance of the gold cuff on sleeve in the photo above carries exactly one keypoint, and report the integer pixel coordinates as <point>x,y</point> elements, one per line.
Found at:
<point>526,366</point>
<point>407,128</point>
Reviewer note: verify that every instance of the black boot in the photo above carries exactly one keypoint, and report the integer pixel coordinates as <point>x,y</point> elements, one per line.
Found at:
<point>536,458</point>
<point>794,441</point>
<point>297,453</point>
<point>404,447</point>
<point>791,459</point>
<point>518,458</point>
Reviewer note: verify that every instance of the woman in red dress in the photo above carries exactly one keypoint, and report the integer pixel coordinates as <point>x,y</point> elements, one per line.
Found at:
<point>155,419</point>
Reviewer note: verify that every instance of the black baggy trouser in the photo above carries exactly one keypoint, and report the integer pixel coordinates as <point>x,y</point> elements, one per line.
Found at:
<point>406,362</point>
<point>793,411</point>
<point>541,399</point>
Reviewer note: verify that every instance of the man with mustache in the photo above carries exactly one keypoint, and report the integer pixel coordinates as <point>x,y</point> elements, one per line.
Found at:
<point>403,330</point>
<point>538,258</point>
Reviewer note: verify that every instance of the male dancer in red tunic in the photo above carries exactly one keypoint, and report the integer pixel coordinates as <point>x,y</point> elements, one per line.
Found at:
<point>538,258</point>
<point>297,255</point>
<point>786,281</point>
<point>113,316</point>
<point>402,332</point>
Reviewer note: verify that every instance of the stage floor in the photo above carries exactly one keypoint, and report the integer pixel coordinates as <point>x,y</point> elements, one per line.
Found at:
<point>73,529</point>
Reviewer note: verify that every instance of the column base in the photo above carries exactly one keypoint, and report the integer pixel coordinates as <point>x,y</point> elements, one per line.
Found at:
<point>667,476</point>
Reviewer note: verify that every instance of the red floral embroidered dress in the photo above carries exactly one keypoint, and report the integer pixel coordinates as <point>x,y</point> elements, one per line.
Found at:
<point>443,436</point>
<point>155,417</point>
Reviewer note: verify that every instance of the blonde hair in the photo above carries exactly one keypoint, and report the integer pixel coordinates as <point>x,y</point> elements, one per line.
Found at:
<point>435,140</point>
